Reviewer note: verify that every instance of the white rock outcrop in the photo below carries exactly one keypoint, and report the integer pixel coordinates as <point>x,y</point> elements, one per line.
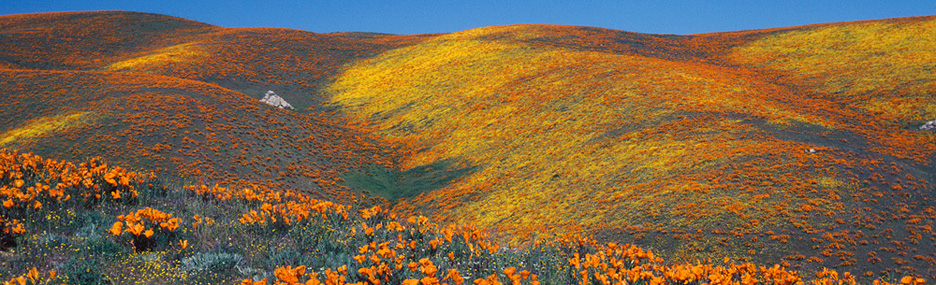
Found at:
<point>276,101</point>
<point>931,125</point>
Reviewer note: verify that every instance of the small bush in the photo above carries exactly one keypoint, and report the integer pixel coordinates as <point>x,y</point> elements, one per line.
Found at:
<point>211,262</point>
<point>85,272</point>
<point>213,267</point>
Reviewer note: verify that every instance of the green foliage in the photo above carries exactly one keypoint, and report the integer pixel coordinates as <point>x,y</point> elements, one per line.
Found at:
<point>84,272</point>
<point>52,241</point>
<point>102,245</point>
<point>394,184</point>
<point>200,262</point>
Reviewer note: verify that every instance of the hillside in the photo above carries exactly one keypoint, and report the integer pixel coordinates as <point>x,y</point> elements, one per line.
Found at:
<point>248,60</point>
<point>704,146</point>
<point>194,131</point>
<point>52,234</point>
<point>797,146</point>
<point>168,94</point>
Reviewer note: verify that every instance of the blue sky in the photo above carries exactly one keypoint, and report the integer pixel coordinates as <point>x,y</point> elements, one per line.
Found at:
<point>421,16</point>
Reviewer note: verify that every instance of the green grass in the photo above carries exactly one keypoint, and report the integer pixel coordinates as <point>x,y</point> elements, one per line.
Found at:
<point>393,184</point>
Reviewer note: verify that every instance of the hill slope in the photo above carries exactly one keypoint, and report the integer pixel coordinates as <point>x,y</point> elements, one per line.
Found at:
<point>177,127</point>
<point>711,153</point>
<point>795,145</point>
<point>163,93</point>
<point>248,60</point>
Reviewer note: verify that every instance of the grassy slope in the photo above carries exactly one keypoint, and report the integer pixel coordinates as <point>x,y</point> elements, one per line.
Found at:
<point>580,129</point>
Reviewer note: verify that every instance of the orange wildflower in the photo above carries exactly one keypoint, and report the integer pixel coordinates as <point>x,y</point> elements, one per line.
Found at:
<point>116,228</point>
<point>33,275</point>
<point>454,276</point>
<point>252,282</point>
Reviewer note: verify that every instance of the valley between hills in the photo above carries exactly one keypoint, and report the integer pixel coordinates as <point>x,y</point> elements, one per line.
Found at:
<point>137,150</point>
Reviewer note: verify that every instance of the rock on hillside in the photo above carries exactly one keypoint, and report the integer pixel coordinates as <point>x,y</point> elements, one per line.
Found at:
<point>276,101</point>
<point>931,125</point>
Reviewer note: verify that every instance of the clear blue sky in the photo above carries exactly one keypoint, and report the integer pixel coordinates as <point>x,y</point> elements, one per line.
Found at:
<point>424,16</point>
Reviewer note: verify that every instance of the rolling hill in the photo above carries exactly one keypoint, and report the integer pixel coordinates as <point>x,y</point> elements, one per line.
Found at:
<point>707,145</point>
<point>795,145</point>
<point>178,97</point>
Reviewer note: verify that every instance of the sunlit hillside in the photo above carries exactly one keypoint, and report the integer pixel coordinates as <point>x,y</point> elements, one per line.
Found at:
<point>794,146</point>
<point>884,68</point>
<point>703,154</point>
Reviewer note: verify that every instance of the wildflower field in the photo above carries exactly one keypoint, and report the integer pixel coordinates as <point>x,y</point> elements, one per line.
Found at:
<point>135,150</point>
<point>91,223</point>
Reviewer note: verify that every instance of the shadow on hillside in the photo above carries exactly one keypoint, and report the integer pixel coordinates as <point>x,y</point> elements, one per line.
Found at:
<point>394,184</point>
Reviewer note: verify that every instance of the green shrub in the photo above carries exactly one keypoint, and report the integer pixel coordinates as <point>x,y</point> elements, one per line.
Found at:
<point>84,272</point>
<point>104,246</point>
<point>203,262</point>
